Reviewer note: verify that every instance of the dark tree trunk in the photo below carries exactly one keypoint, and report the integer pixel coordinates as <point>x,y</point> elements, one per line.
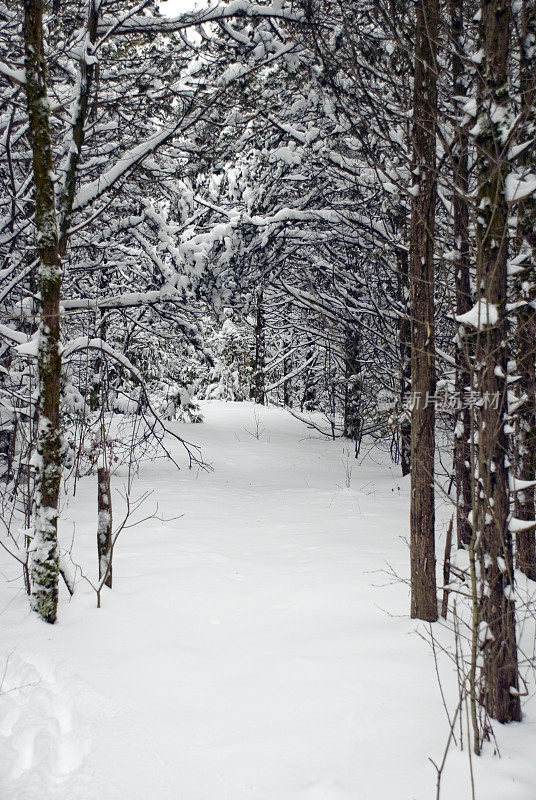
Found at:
<point>404,344</point>
<point>460,210</point>
<point>500,671</point>
<point>45,568</point>
<point>524,507</point>
<point>287,384</point>
<point>353,415</point>
<point>423,376</point>
<point>526,315</point>
<point>257,390</point>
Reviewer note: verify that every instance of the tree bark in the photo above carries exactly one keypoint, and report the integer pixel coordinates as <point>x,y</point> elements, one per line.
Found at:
<point>460,211</point>
<point>257,389</point>
<point>423,376</point>
<point>524,507</point>
<point>500,670</point>
<point>353,388</point>
<point>104,525</point>
<point>45,568</point>
<point>72,158</point>
<point>404,347</point>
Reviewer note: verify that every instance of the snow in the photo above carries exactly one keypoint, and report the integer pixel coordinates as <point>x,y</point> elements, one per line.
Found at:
<point>288,155</point>
<point>90,191</point>
<point>518,485</point>
<point>13,336</point>
<point>29,348</point>
<point>254,647</point>
<point>518,525</point>
<point>15,75</point>
<point>196,14</point>
<point>520,187</point>
<point>481,315</point>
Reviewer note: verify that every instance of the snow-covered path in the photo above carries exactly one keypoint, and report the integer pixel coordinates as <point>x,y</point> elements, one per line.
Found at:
<point>252,649</point>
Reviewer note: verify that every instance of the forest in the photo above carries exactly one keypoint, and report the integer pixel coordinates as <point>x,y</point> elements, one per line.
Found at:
<point>267,399</point>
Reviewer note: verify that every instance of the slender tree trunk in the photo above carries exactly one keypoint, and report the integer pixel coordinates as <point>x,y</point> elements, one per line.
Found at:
<point>8,434</point>
<point>100,390</point>
<point>404,344</point>
<point>500,671</point>
<point>353,389</point>
<point>44,570</point>
<point>287,384</point>
<point>526,294</point>
<point>104,530</point>
<point>72,157</point>
<point>423,377</point>
<point>286,344</point>
<point>524,507</point>
<point>257,389</point>
<point>462,447</point>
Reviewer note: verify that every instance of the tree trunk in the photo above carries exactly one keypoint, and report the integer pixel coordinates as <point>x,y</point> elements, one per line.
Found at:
<point>423,377</point>
<point>353,388</point>
<point>257,389</point>
<point>404,343</point>
<point>460,211</point>
<point>45,569</point>
<point>104,525</point>
<point>287,384</point>
<point>524,507</point>
<point>72,158</point>
<point>526,293</point>
<point>491,513</point>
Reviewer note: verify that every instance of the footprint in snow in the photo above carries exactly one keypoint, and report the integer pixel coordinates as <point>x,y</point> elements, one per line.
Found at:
<point>42,740</point>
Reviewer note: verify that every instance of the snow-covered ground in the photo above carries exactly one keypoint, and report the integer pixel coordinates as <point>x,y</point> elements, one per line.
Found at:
<point>253,648</point>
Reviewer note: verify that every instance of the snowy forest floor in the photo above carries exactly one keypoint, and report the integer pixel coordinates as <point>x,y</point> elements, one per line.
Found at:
<point>253,648</point>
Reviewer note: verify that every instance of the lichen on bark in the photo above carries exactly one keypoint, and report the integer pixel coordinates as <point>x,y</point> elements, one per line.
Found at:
<point>45,567</point>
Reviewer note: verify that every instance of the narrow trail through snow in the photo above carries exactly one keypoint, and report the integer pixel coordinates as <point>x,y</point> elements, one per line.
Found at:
<point>254,646</point>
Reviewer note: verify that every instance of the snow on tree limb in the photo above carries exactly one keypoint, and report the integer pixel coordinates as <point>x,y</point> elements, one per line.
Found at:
<point>17,76</point>
<point>236,8</point>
